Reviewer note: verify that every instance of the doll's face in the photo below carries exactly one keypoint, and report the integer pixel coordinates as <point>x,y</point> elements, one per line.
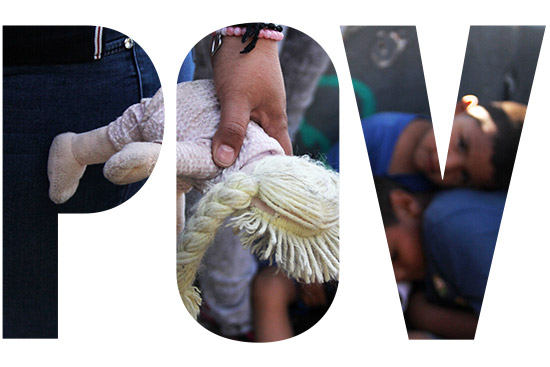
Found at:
<point>405,247</point>
<point>468,158</point>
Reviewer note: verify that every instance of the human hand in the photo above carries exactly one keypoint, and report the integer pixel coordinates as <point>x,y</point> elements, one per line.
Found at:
<point>250,87</point>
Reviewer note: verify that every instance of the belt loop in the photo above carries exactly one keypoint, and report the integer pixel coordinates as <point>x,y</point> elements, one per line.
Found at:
<point>98,42</point>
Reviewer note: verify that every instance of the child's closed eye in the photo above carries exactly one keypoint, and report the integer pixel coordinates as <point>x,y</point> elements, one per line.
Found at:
<point>462,144</point>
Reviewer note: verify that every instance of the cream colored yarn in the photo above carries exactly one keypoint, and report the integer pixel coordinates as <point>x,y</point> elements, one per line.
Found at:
<point>285,211</point>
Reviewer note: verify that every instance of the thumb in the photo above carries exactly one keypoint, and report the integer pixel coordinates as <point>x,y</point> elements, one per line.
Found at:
<point>228,139</point>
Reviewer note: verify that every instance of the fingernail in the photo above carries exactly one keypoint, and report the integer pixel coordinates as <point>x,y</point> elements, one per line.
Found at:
<point>225,155</point>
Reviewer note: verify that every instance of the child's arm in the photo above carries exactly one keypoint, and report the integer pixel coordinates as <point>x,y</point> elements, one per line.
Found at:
<point>313,294</point>
<point>272,293</point>
<point>443,321</point>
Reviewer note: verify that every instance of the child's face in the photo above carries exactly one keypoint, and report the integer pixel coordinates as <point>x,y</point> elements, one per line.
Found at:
<point>405,247</point>
<point>469,156</point>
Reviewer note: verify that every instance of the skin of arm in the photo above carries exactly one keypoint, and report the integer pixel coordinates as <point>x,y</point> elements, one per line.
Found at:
<point>443,321</point>
<point>250,87</point>
<point>313,294</point>
<point>272,292</point>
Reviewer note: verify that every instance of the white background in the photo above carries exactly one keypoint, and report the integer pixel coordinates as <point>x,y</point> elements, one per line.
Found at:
<point>118,299</point>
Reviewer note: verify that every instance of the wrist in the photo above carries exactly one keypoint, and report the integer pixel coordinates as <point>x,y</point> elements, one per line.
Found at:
<point>228,59</point>
<point>249,32</point>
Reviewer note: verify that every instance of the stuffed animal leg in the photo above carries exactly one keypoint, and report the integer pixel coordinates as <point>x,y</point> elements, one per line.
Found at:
<point>70,153</point>
<point>133,163</point>
<point>129,146</point>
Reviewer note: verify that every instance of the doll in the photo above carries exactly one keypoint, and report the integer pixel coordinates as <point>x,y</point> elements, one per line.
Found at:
<point>285,209</point>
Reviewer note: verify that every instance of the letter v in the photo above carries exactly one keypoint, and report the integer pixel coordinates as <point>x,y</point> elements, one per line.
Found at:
<point>442,70</point>
<point>499,63</point>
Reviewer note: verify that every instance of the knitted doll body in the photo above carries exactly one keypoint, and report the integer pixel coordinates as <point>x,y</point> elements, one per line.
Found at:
<point>197,119</point>
<point>198,115</point>
<point>130,145</point>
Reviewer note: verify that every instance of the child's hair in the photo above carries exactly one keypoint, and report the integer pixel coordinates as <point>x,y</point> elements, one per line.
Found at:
<point>508,117</point>
<point>285,211</point>
<point>384,187</point>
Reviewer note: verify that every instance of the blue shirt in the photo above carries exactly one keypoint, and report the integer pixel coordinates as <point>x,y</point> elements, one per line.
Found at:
<point>381,132</point>
<point>460,229</point>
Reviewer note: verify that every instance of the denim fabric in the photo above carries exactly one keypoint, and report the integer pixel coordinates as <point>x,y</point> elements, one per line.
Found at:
<point>187,68</point>
<point>39,103</point>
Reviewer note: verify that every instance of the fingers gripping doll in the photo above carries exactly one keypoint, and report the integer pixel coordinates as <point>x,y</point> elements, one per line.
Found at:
<point>285,209</point>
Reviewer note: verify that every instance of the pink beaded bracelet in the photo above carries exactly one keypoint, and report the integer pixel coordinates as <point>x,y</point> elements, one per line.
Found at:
<point>239,31</point>
<point>256,31</point>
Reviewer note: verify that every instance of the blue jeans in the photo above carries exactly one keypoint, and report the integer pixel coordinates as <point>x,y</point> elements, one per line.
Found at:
<point>187,68</point>
<point>39,103</point>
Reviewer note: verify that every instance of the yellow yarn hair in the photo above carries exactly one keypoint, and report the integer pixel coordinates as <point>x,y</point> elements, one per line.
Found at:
<point>285,211</point>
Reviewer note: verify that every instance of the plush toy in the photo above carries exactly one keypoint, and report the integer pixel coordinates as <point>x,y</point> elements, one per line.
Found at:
<point>284,208</point>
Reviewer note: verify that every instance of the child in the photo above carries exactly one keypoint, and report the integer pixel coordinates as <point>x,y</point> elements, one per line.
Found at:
<point>481,154</point>
<point>447,242</point>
